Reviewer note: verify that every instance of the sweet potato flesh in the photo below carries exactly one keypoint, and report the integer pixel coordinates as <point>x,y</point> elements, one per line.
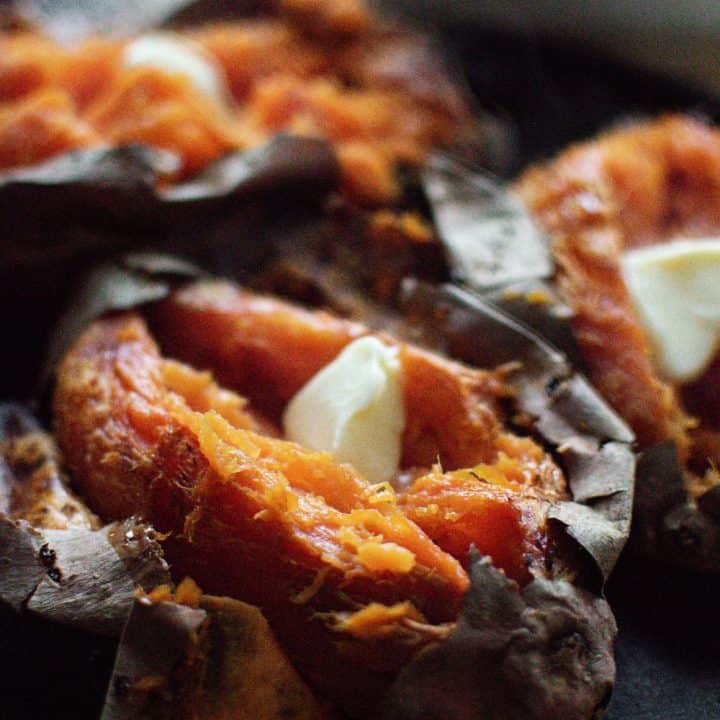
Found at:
<point>640,185</point>
<point>335,85</point>
<point>254,516</point>
<point>267,350</point>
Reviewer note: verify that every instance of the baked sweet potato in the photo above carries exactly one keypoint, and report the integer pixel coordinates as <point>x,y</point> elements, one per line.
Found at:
<point>638,185</point>
<point>340,77</point>
<point>635,186</point>
<point>353,577</point>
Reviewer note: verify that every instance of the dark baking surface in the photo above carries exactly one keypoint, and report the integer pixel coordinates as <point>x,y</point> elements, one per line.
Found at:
<point>547,95</point>
<point>668,652</point>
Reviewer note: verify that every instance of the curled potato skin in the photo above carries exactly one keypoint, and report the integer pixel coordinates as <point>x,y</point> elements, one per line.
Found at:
<point>634,186</point>
<point>353,577</point>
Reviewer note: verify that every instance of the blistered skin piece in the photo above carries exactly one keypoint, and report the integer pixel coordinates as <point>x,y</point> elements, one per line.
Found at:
<point>633,187</point>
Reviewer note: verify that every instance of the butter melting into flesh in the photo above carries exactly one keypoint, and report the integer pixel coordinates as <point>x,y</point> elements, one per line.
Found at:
<point>676,292</point>
<point>177,56</point>
<point>353,408</point>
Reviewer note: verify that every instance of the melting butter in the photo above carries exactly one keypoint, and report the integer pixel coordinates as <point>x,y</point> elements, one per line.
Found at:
<point>676,292</point>
<point>353,408</point>
<point>175,55</point>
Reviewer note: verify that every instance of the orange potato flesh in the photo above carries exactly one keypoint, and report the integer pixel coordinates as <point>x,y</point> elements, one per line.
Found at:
<point>258,49</point>
<point>334,16</point>
<point>248,515</point>
<point>640,185</point>
<point>498,508</point>
<point>39,127</point>
<point>477,507</point>
<point>261,346</point>
<point>165,111</point>
<point>267,350</point>
<point>27,63</point>
<point>112,390</point>
<point>278,80</point>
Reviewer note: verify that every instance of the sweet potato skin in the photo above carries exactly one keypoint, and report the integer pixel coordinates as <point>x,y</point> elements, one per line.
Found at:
<point>634,186</point>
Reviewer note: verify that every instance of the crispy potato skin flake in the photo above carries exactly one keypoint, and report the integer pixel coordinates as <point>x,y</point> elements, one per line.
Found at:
<point>634,186</point>
<point>262,519</point>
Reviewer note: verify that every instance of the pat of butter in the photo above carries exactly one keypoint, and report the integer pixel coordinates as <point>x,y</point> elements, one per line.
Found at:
<point>676,292</point>
<point>353,408</point>
<point>176,55</point>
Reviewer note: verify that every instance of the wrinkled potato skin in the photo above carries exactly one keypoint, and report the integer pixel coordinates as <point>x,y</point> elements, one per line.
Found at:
<point>634,186</point>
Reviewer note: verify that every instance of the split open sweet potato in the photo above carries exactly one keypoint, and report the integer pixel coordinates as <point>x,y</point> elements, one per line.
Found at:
<point>354,577</point>
<point>639,185</point>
